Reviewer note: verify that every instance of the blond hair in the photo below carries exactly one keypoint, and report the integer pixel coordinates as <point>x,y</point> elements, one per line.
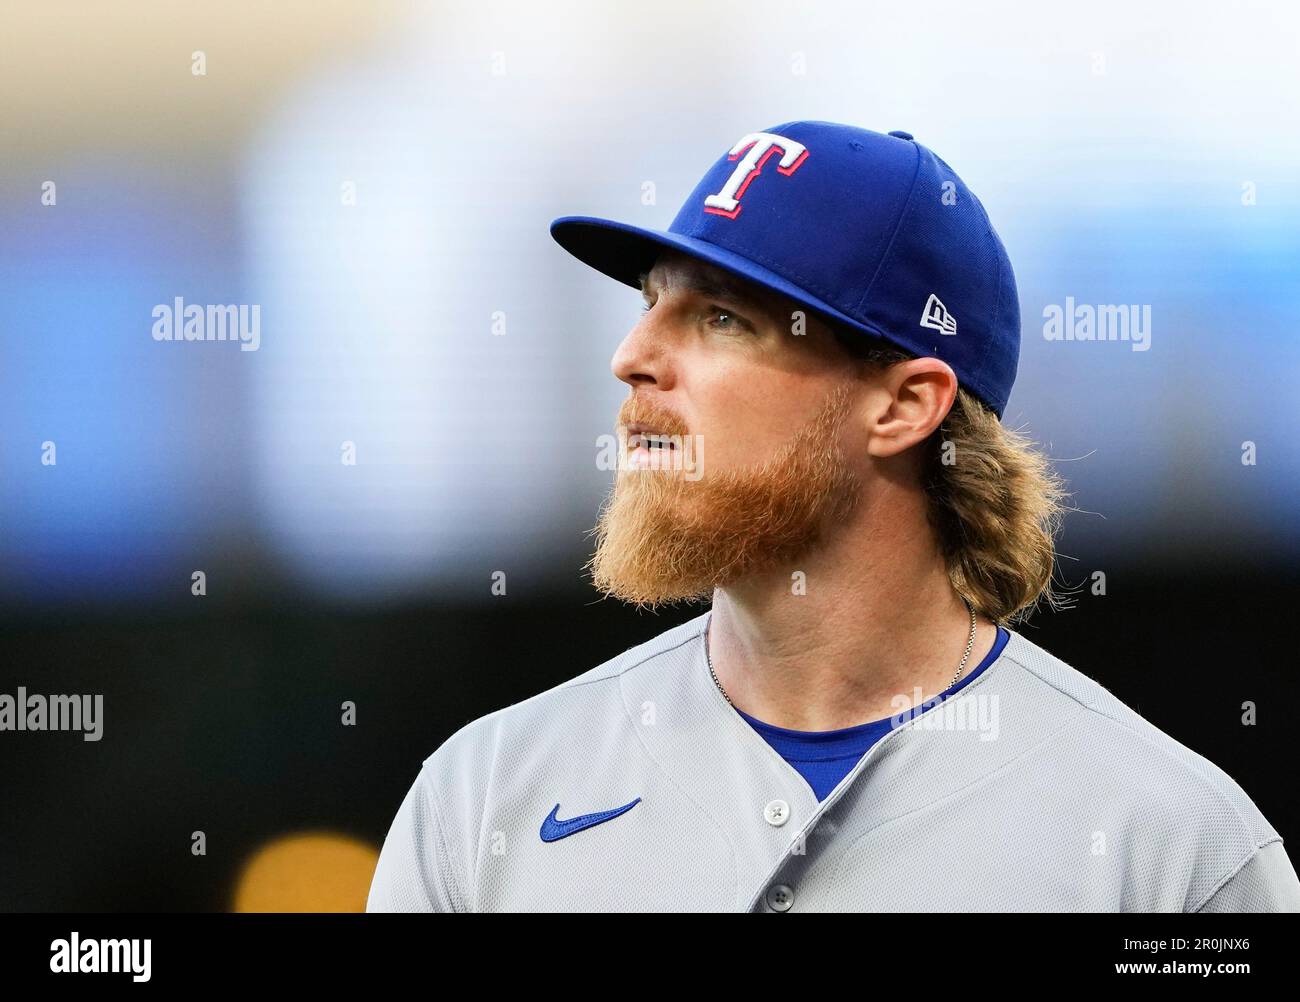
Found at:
<point>996,504</point>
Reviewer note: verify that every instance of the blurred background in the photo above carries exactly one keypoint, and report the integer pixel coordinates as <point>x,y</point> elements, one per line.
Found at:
<point>432,373</point>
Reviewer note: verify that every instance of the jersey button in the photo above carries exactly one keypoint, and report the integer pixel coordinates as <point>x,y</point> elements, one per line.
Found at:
<point>780,897</point>
<point>777,813</point>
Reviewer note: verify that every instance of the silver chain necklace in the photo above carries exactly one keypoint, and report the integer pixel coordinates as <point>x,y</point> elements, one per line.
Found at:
<point>970,644</point>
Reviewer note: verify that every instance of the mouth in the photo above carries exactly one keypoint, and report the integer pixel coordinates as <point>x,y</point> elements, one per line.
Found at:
<point>644,443</point>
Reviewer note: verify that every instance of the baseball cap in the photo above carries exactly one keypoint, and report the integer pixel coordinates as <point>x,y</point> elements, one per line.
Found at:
<point>873,232</point>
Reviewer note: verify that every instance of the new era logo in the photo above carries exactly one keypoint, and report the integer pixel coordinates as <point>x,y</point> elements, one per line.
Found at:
<point>936,316</point>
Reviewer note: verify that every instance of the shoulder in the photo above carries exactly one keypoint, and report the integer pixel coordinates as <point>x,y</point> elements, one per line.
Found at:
<point>499,760</point>
<point>1118,737</point>
<point>589,703</point>
<point>1165,794</point>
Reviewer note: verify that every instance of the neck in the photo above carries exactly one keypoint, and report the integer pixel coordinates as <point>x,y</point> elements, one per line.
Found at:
<point>878,627</point>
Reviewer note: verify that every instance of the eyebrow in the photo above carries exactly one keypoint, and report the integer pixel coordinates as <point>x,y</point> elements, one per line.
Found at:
<point>712,288</point>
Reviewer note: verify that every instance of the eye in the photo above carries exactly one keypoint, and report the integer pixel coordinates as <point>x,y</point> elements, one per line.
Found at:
<point>732,320</point>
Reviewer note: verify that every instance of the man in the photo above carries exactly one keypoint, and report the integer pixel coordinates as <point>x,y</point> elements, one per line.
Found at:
<point>812,440</point>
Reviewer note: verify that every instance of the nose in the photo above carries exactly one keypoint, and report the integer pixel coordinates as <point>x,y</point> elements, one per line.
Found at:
<point>642,357</point>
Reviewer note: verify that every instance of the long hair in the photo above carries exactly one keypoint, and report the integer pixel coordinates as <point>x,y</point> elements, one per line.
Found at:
<point>995,503</point>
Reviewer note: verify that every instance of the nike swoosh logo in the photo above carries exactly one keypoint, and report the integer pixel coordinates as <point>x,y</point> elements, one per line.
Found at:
<point>553,830</point>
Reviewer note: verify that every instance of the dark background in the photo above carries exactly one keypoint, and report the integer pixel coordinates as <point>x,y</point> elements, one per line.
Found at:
<point>230,722</point>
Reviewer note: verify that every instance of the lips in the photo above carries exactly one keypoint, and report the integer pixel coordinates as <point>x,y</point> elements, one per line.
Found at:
<point>648,447</point>
<point>640,436</point>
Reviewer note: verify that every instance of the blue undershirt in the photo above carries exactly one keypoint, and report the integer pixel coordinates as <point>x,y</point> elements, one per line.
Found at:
<point>823,758</point>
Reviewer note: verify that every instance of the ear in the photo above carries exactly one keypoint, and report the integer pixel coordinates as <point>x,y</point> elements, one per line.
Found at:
<point>915,396</point>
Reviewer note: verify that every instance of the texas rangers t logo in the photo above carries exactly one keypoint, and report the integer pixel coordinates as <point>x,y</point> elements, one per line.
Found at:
<point>761,146</point>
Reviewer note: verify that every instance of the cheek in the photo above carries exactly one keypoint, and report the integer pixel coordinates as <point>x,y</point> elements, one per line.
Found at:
<point>744,426</point>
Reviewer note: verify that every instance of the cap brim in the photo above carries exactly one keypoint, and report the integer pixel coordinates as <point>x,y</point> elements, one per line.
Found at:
<point>625,252</point>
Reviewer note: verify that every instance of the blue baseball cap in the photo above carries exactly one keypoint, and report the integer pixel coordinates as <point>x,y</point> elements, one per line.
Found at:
<point>873,232</point>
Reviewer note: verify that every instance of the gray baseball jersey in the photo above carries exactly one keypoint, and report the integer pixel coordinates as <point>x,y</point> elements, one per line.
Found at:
<point>637,787</point>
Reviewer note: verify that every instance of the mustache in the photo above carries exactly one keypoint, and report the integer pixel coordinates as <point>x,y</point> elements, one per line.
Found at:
<point>663,422</point>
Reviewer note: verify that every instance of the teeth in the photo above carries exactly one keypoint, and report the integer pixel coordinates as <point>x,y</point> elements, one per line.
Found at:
<point>651,440</point>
